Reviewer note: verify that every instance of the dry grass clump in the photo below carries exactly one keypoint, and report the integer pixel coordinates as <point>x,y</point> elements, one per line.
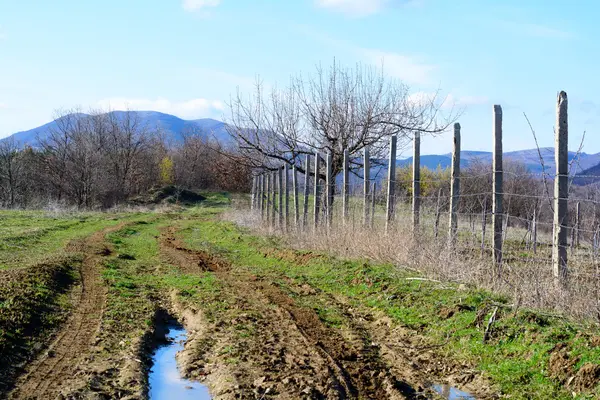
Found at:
<point>526,279</point>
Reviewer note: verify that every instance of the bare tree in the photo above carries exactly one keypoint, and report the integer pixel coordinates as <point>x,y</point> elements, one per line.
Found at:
<point>330,111</point>
<point>123,138</point>
<point>193,160</point>
<point>57,146</point>
<point>11,172</point>
<point>101,159</point>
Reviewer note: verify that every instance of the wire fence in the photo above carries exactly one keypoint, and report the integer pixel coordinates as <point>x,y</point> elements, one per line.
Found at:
<point>526,230</point>
<point>537,235</point>
<point>369,209</point>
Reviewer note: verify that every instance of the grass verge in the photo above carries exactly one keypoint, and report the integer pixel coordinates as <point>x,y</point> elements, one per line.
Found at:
<point>528,355</point>
<point>33,303</point>
<point>27,237</point>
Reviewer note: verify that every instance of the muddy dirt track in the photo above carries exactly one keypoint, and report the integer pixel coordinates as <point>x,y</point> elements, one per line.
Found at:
<point>55,369</point>
<point>292,353</point>
<point>265,341</point>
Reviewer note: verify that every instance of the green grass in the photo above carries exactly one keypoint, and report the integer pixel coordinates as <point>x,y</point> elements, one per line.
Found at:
<point>215,200</point>
<point>137,277</point>
<point>515,358</point>
<point>27,237</point>
<point>32,305</point>
<point>130,278</point>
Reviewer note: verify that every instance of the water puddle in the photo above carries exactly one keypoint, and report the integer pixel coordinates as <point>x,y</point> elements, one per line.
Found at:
<point>164,379</point>
<point>452,393</point>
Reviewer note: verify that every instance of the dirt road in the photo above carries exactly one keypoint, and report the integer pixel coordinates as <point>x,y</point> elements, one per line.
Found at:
<point>56,369</point>
<point>291,353</point>
<point>260,338</point>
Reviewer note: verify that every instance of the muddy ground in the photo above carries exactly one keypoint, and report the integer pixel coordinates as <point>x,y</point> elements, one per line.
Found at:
<point>56,368</point>
<point>261,344</point>
<point>293,354</point>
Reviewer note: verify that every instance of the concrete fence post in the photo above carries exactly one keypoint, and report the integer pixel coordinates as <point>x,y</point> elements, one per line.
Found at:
<point>306,191</point>
<point>317,193</point>
<point>268,204</point>
<point>561,190</point>
<point>256,196</point>
<point>274,199</point>
<point>256,192</point>
<point>329,189</point>
<point>286,194</point>
<point>391,189</point>
<point>280,205</point>
<point>296,204</point>
<point>366,184</point>
<point>346,186</point>
<point>253,194</point>
<point>455,185</point>
<point>263,192</point>
<point>483,225</point>
<point>534,231</point>
<point>261,196</point>
<point>416,183</point>
<point>497,188</point>
<point>577,224</point>
<point>373,191</point>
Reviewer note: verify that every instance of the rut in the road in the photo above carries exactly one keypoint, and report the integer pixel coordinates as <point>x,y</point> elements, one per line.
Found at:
<point>188,260</point>
<point>351,369</point>
<point>56,368</point>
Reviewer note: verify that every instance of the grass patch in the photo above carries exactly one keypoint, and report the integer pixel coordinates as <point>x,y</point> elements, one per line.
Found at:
<point>27,237</point>
<point>516,357</point>
<point>138,279</point>
<point>33,303</point>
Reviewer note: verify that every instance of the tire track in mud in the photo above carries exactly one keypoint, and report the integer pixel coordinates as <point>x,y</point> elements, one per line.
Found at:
<point>56,368</point>
<point>342,368</point>
<point>356,355</point>
<point>347,361</point>
<point>415,363</point>
<point>412,360</point>
<point>188,260</point>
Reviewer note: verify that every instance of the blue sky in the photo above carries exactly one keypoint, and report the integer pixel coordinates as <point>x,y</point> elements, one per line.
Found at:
<point>185,57</point>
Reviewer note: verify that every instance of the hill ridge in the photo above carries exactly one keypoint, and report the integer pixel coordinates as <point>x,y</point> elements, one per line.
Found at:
<point>172,125</point>
<point>175,127</point>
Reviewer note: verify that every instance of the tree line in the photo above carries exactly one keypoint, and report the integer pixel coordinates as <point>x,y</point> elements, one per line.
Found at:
<point>101,159</point>
<point>527,195</point>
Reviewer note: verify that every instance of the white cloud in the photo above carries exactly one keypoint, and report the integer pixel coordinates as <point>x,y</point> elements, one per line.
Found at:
<point>546,31</point>
<point>3,105</point>
<point>354,8</point>
<point>420,97</point>
<point>447,102</point>
<point>190,109</point>
<point>363,8</point>
<point>464,101</point>
<point>224,78</point>
<point>410,69</point>
<point>535,30</point>
<point>407,68</point>
<point>197,5</point>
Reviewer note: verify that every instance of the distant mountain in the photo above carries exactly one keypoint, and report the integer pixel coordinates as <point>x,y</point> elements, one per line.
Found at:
<point>30,137</point>
<point>530,158</point>
<point>588,176</point>
<point>173,126</point>
<point>430,161</point>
